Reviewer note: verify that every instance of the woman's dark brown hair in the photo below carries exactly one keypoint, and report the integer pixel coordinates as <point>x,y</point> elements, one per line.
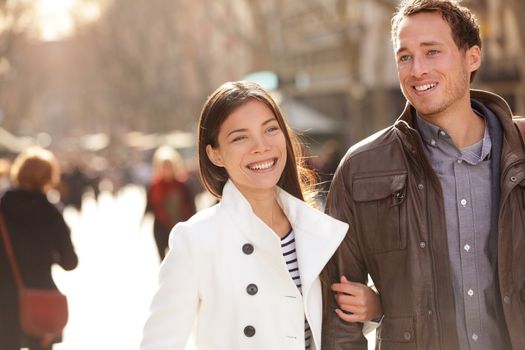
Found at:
<point>296,178</point>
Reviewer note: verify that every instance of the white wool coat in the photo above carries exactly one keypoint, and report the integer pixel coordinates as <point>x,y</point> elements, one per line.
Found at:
<point>216,255</point>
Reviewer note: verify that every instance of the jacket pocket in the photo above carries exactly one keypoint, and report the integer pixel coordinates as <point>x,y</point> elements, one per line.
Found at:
<point>381,211</point>
<point>397,330</point>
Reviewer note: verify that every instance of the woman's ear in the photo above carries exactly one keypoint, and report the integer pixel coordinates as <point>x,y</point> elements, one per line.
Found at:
<point>214,156</point>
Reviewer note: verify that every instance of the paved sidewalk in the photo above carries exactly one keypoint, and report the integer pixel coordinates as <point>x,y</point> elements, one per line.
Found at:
<point>110,291</point>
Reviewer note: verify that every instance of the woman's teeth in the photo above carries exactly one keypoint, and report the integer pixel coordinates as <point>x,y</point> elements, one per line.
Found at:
<point>262,166</point>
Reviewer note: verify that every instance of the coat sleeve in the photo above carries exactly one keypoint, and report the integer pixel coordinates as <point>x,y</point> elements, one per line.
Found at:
<point>64,254</point>
<point>347,261</point>
<point>176,302</point>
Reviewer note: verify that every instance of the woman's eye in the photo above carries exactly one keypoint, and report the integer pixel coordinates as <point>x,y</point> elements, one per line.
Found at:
<point>272,129</point>
<point>239,138</point>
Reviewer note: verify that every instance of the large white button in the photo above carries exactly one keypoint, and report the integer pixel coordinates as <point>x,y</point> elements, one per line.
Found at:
<point>463,202</point>
<point>466,247</point>
<point>474,337</point>
<point>470,292</point>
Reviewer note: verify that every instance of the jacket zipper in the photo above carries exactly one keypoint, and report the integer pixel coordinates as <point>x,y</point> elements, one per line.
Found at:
<point>504,176</point>
<point>423,160</point>
<point>434,278</point>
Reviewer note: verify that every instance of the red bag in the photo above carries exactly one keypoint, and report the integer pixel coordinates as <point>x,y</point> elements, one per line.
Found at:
<point>43,312</point>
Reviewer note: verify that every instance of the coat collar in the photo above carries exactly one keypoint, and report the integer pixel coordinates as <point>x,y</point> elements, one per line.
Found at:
<point>317,235</point>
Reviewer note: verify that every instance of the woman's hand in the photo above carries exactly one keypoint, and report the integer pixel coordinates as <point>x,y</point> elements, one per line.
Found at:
<point>357,302</point>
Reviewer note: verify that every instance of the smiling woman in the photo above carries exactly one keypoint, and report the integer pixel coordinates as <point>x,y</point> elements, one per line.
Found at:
<point>56,19</point>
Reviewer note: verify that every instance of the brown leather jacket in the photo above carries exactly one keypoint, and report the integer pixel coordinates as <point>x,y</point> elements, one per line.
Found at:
<point>386,189</point>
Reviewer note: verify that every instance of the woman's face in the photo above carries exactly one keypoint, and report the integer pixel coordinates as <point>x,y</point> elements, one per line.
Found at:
<point>166,170</point>
<point>251,147</point>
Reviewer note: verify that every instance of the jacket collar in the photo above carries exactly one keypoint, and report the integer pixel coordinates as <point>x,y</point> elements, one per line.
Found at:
<point>493,102</point>
<point>317,235</point>
<point>508,148</point>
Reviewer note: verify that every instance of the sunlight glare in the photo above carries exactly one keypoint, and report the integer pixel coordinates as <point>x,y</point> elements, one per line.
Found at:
<point>56,18</point>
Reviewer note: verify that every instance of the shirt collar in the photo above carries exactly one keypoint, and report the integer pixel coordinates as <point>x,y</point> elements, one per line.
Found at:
<point>434,136</point>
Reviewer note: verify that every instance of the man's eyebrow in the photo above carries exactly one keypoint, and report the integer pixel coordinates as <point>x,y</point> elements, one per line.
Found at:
<point>423,44</point>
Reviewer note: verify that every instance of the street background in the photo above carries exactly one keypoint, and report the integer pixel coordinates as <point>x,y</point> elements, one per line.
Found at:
<point>104,83</point>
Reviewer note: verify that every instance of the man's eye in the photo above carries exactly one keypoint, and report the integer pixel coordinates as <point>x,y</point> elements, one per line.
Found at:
<point>432,52</point>
<point>404,58</point>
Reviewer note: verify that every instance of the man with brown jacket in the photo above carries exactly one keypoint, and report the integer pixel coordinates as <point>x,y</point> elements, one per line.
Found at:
<point>435,203</point>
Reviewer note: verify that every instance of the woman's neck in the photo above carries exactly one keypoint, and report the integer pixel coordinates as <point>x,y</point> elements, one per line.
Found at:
<point>266,207</point>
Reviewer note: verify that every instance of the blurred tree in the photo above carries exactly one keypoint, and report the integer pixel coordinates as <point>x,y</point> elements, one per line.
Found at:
<point>15,19</point>
<point>151,64</point>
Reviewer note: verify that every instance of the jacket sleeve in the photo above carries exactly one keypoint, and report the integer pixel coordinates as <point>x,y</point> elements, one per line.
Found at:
<point>347,261</point>
<point>64,254</point>
<point>176,302</point>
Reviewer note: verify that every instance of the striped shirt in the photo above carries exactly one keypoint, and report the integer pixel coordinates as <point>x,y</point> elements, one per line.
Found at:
<point>290,256</point>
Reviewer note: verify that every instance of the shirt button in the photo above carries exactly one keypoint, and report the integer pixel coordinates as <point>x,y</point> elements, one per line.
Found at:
<point>247,249</point>
<point>466,247</point>
<point>442,133</point>
<point>430,312</point>
<point>252,289</point>
<point>407,335</point>
<point>463,202</point>
<point>474,337</point>
<point>506,299</point>
<point>249,331</point>
<point>460,161</point>
<point>420,186</point>
<point>513,178</point>
<point>422,244</point>
<point>470,292</point>
<point>433,142</point>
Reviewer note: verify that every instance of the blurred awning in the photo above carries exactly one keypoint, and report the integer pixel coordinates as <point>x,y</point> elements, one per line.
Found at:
<point>176,139</point>
<point>305,119</point>
<point>13,144</point>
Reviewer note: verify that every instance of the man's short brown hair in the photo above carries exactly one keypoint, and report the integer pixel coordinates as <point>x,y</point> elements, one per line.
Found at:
<point>463,24</point>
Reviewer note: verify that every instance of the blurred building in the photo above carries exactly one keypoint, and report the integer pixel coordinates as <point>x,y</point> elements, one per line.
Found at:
<point>149,66</point>
<point>337,57</point>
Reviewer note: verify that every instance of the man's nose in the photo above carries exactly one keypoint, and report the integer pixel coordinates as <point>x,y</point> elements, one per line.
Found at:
<point>419,67</point>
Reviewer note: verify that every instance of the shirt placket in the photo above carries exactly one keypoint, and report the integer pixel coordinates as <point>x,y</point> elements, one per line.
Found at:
<point>468,250</point>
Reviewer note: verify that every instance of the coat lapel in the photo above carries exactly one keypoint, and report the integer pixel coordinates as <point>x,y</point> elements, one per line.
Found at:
<point>253,229</point>
<point>317,236</point>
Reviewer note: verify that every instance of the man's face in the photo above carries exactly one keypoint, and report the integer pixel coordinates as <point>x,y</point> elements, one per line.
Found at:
<point>434,74</point>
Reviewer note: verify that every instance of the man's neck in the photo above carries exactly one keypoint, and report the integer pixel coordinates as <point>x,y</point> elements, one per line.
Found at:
<point>465,127</point>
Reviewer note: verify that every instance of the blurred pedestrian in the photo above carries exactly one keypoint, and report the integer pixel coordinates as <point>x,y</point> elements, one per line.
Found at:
<point>40,238</point>
<point>247,268</point>
<point>169,198</point>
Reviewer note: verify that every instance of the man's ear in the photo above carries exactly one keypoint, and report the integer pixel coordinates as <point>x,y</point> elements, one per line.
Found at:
<point>214,156</point>
<point>473,56</point>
